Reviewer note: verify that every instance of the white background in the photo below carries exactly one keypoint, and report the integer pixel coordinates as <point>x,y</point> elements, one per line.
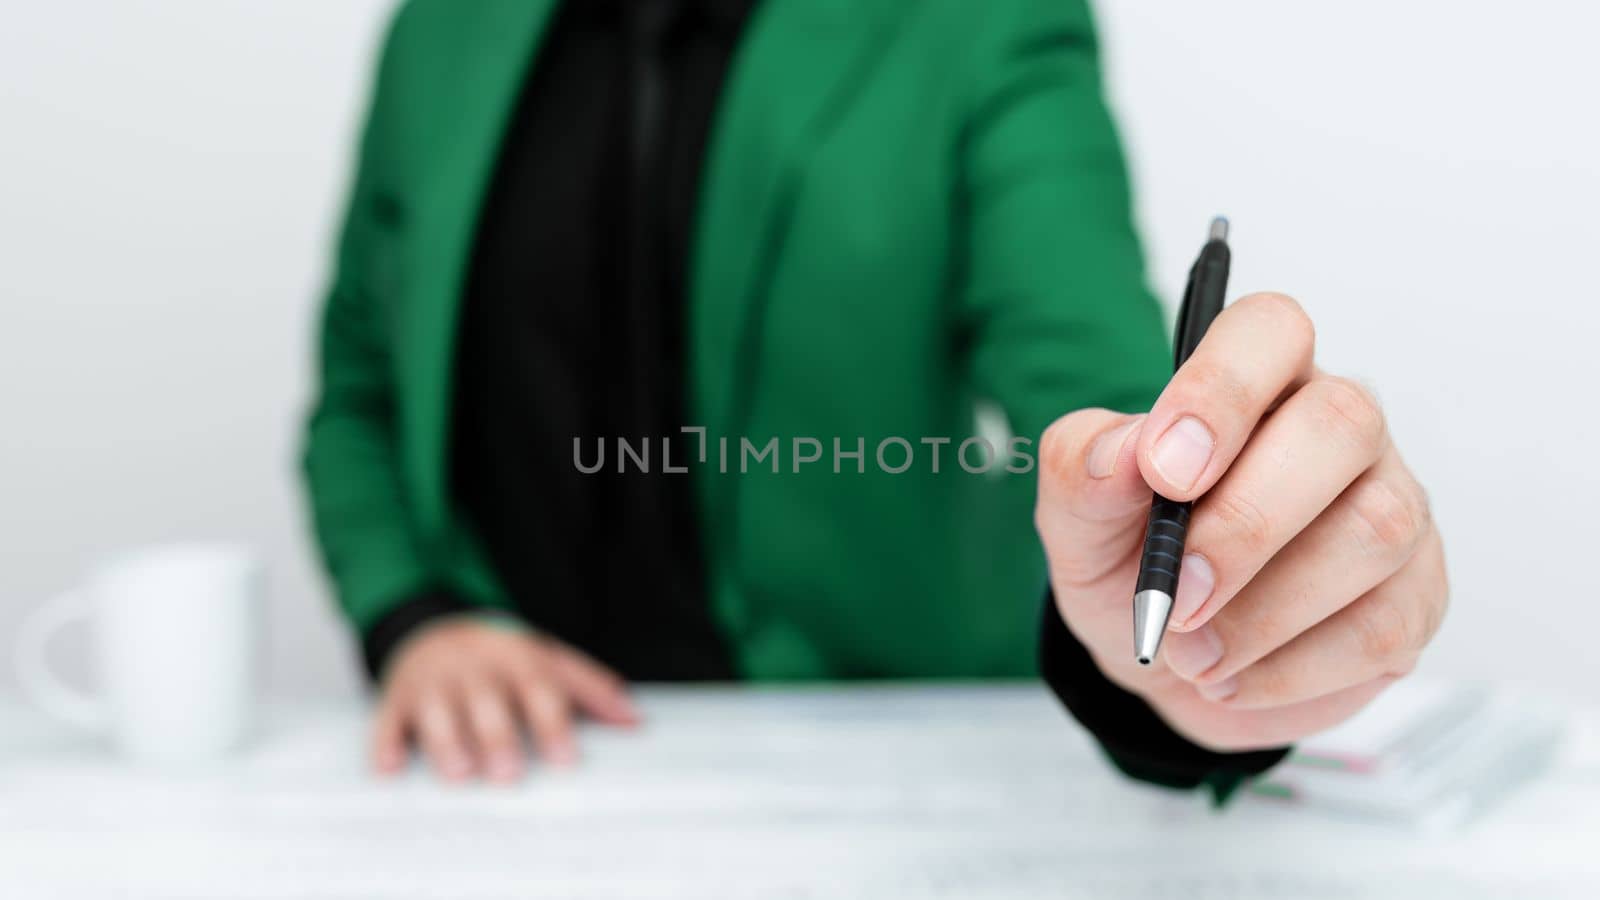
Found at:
<point>1424,176</point>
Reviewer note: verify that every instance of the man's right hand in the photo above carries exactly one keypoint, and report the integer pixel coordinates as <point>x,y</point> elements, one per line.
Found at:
<point>465,690</point>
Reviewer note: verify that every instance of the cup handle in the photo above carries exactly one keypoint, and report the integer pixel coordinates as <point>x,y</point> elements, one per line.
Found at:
<point>44,687</point>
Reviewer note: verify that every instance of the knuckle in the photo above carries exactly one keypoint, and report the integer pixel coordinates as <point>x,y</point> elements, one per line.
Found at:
<point>1061,444</point>
<point>544,695</point>
<point>434,702</point>
<point>520,672</point>
<point>529,678</point>
<point>1386,632</point>
<point>1211,385</point>
<point>1265,685</point>
<point>1267,627</point>
<point>1052,444</point>
<point>1292,321</point>
<point>1353,411</point>
<point>1389,520</point>
<point>1244,524</point>
<point>550,717</point>
<point>496,732</point>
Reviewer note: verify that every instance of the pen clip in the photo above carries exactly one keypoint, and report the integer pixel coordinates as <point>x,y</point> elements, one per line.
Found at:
<point>1181,330</point>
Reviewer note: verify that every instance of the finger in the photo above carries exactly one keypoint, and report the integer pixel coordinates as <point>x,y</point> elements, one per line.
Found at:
<point>1225,729</point>
<point>1092,501</point>
<point>595,689</point>
<point>389,733</point>
<point>1380,634</point>
<point>1299,461</point>
<point>549,718</point>
<point>440,735</point>
<point>1369,532</point>
<point>494,729</point>
<point>1257,351</point>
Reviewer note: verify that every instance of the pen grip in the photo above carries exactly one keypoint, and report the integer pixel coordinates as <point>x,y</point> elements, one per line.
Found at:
<point>1163,546</point>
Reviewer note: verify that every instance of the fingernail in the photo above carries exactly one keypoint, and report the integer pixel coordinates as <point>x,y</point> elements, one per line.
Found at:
<point>1181,455</point>
<point>1196,581</point>
<point>1220,691</point>
<point>560,754</point>
<point>1192,654</point>
<point>455,767</point>
<point>1103,455</point>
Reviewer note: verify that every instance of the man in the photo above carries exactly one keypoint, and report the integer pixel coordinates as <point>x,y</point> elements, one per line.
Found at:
<point>807,231</point>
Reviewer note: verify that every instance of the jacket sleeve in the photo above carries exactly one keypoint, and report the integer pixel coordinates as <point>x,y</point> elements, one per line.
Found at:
<point>1133,736</point>
<point>1060,317</point>
<point>1054,302</point>
<point>363,524</point>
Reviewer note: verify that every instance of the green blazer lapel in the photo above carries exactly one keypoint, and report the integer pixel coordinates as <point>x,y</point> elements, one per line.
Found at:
<point>792,77</point>
<point>486,67</point>
<point>794,74</point>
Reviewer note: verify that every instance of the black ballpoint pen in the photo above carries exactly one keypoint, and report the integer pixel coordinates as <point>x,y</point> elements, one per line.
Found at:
<point>1169,520</point>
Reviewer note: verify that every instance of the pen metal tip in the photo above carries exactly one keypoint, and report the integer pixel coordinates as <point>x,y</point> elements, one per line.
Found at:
<point>1150,611</point>
<point>1219,228</point>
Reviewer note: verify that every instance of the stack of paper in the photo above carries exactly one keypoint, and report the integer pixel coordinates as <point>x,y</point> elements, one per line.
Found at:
<point>1425,754</point>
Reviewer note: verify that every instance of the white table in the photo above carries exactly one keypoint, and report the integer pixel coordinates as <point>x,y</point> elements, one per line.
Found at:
<point>873,793</point>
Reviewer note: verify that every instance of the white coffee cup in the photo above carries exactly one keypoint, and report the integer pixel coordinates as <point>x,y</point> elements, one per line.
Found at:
<point>173,637</point>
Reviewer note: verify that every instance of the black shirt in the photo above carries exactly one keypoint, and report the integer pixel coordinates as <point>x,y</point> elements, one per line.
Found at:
<point>572,327</point>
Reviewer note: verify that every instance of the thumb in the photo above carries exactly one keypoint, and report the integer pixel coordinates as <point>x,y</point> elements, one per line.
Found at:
<point>1093,502</point>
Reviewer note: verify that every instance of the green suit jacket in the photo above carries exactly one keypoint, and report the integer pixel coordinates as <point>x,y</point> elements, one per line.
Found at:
<point>908,210</point>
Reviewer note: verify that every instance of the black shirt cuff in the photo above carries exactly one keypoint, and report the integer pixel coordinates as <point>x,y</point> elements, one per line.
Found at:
<point>1138,741</point>
<point>379,641</point>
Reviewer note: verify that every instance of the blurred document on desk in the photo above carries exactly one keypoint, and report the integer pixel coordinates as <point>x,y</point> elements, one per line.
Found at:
<point>1425,754</point>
